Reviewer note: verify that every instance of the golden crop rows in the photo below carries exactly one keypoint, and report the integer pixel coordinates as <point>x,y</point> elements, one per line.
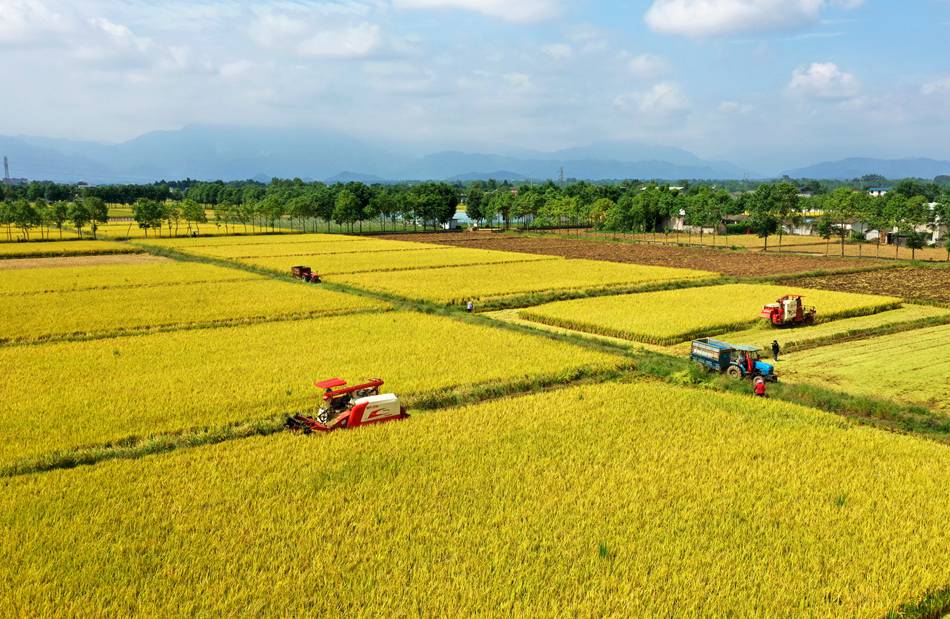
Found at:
<point>131,230</point>
<point>63,279</point>
<point>261,250</point>
<point>253,239</point>
<point>913,366</point>
<point>459,284</point>
<point>111,310</point>
<point>608,500</point>
<point>109,389</point>
<point>672,316</point>
<point>63,248</point>
<point>373,261</point>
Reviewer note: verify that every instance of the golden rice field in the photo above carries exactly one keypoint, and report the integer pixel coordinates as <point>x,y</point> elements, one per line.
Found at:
<point>913,366</point>
<point>292,250</point>
<point>123,230</point>
<point>65,279</point>
<point>83,313</point>
<point>111,389</point>
<point>253,240</point>
<point>672,316</point>
<point>904,317</point>
<point>456,285</point>
<point>373,261</point>
<point>638,500</point>
<point>63,248</point>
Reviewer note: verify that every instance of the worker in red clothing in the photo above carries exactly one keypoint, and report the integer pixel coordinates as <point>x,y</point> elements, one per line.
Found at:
<point>758,387</point>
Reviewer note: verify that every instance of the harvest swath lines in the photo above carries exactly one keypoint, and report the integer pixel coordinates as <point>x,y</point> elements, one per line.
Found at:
<point>166,382</point>
<point>83,313</point>
<point>303,249</point>
<point>375,261</point>
<point>912,367</point>
<point>516,282</point>
<point>672,316</point>
<point>693,503</point>
<point>63,248</point>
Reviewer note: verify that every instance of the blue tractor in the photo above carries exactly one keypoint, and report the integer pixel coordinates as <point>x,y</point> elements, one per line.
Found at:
<point>736,360</point>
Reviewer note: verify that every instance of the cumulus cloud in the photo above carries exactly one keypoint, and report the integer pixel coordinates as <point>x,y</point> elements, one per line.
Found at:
<point>648,66</point>
<point>662,101</point>
<point>31,21</point>
<point>516,11</point>
<point>356,41</point>
<point>710,18</point>
<point>823,80</point>
<point>735,107</point>
<point>936,87</point>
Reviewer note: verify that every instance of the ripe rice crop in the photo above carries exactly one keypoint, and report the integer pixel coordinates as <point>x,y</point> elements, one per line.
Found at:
<point>516,281</point>
<point>111,389</point>
<point>359,262</point>
<point>123,230</point>
<point>253,239</point>
<point>672,316</point>
<point>261,250</point>
<point>161,272</point>
<point>910,367</point>
<point>63,248</point>
<point>83,313</point>
<point>638,500</point>
<point>903,318</point>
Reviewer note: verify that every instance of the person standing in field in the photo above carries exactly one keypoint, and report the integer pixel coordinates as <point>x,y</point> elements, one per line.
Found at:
<point>469,307</point>
<point>775,349</point>
<point>758,387</point>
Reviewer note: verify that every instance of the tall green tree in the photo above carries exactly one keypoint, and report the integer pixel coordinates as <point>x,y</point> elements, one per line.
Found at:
<point>148,214</point>
<point>98,212</point>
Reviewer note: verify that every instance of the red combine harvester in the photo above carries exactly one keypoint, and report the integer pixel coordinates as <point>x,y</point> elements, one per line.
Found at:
<point>788,311</point>
<point>349,407</point>
<point>305,273</point>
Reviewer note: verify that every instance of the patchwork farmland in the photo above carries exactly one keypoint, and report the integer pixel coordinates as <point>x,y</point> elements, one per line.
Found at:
<point>562,454</point>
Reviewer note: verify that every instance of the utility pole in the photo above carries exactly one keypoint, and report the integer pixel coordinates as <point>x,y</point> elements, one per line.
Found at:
<point>6,168</point>
<point>561,177</point>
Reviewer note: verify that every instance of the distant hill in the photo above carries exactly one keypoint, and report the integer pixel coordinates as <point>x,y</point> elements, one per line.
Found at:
<point>354,177</point>
<point>846,169</point>
<point>234,153</point>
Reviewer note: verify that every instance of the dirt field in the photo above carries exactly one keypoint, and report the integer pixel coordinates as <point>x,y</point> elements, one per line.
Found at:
<point>727,262</point>
<point>911,283</point>
<point>77,261</point>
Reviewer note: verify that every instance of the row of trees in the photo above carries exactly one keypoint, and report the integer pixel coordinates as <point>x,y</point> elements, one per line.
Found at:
<point>21,217</point>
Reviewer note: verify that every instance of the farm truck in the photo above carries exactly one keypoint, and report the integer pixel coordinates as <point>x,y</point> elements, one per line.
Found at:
<point>735,360</point>
<point>348,407</point>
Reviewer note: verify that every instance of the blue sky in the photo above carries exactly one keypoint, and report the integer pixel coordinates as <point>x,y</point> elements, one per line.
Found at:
<point>765,83</point>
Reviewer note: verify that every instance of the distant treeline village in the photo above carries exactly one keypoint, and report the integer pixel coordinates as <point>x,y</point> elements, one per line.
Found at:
<point>910,212</point>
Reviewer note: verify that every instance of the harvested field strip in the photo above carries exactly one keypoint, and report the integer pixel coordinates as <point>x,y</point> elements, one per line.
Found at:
<point>304,249</point>
<point>131,388</point>
<point>911,367</point>
<point>58,262</point>
<point>673,316</point>
<point>512,283</point>
<point>400,260</point>
<point>912,283</point>
<point>766,500</point>
<point>885,252</point>
<point>738,264</point>
<point>906,318</point>
<point>160,272</point>
<point>84,313</point>
<point>39,249</point>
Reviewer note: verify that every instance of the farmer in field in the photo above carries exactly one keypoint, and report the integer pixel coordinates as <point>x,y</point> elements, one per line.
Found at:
<point>775,349</point>
<point>469,307</point>
<point>758,387</point>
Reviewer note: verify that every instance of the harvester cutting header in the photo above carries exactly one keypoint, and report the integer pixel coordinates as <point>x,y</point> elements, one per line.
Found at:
<point>350,407</point>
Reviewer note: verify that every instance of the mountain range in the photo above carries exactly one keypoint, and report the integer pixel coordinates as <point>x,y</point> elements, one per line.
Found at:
<point>235,153</point>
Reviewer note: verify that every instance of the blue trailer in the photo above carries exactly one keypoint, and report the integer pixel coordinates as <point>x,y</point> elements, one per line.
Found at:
<point>737,360</point>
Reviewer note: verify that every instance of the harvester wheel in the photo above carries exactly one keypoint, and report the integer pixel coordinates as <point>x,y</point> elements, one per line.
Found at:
<point>734,372</point>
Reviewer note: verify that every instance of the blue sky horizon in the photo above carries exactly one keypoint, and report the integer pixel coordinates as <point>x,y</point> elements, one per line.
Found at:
<point>766,84</point>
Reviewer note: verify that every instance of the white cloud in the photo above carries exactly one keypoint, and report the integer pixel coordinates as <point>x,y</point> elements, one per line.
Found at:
<point>356,41</point>
<point>936,87</point>
<point>823,80</point>
<point>516,10</point>
<point>30,21</point>
<point>558,51</point>
<point>648,66</point>
<point>735,107</point>
<point>518,80</point>
<point>709,18</point>
<point>664,100</point>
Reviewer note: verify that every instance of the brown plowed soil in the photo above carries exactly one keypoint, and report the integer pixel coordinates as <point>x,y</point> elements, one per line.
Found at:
<point>911,283</point>
<point>734,263</point>
<point>78,261</point>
